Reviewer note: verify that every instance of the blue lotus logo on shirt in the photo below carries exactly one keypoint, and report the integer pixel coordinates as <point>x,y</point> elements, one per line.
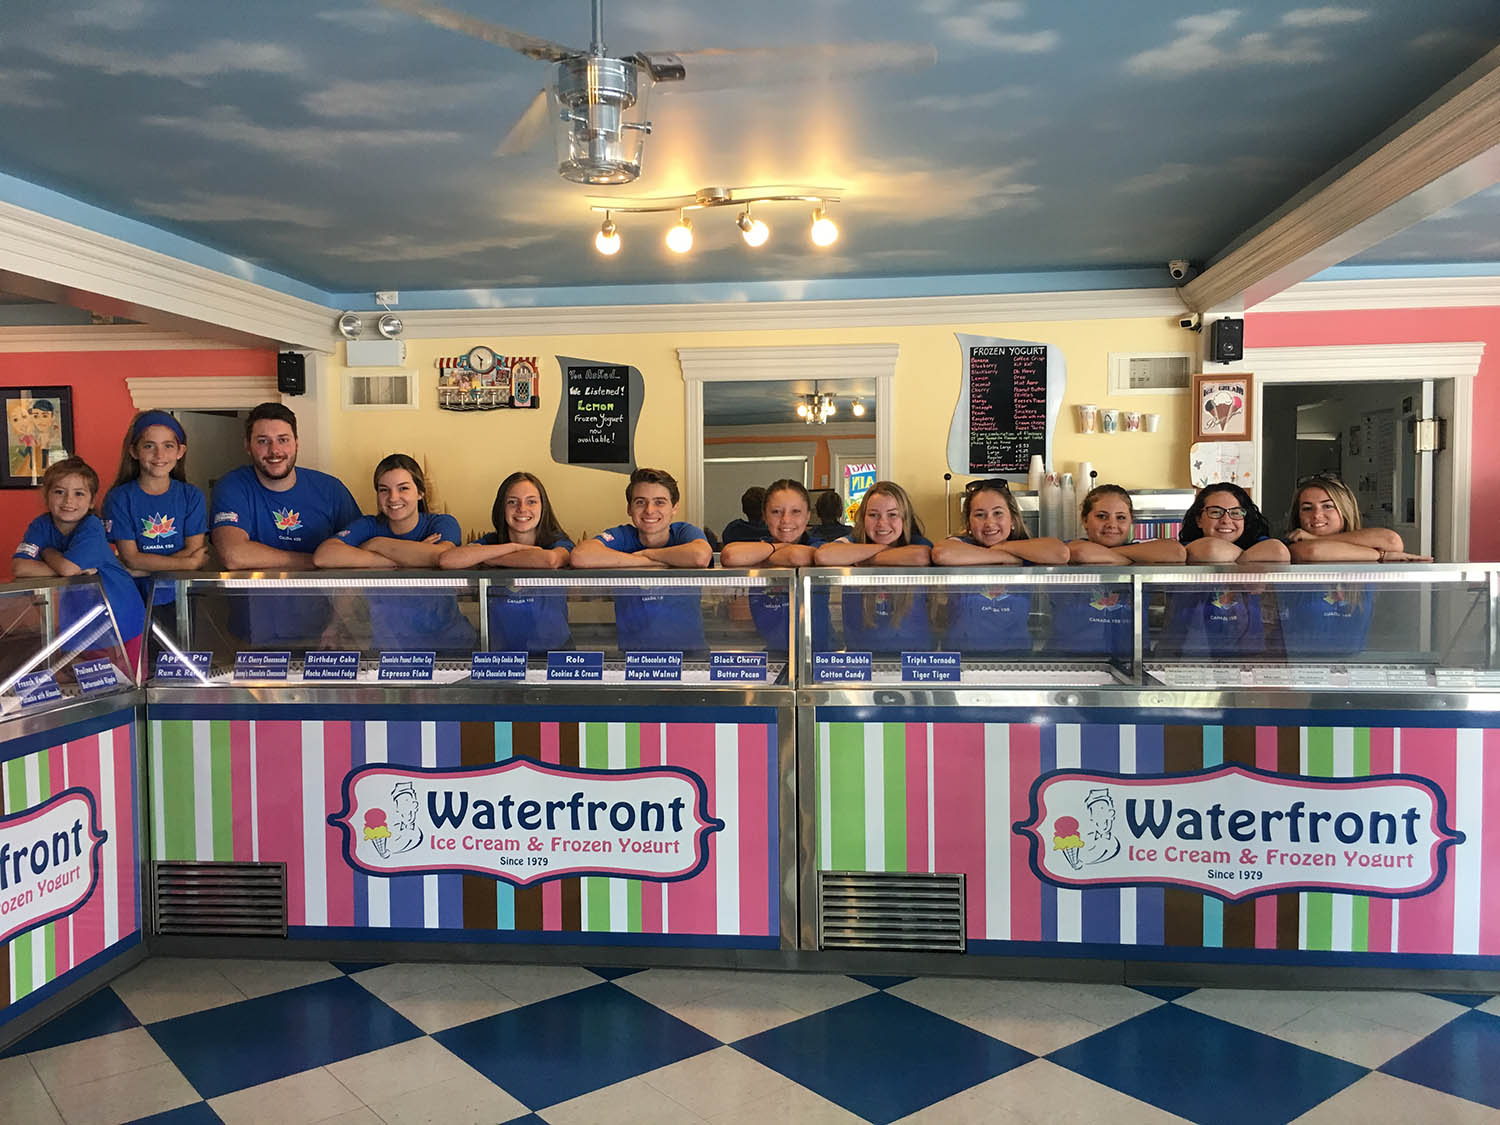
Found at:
<point>286,519</point>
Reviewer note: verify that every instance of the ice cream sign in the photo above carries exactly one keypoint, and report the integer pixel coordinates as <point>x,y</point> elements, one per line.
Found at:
<point>49,861</point>
<point>525,821</point>
<point>1236,832</point>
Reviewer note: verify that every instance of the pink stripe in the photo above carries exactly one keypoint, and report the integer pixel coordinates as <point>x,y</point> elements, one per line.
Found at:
<point>88,920</point>
<point>242,822</point>
<point>756,823</point>
<point>958,811</point>
<point>1382,760</point>
<point>1025,889</point>
<point>551,744</point>
<point>651,893</point>
<point>127,870</point>
<point>1427,921</point>
<point>917,754</point>
<point>57,781</point>
<point>692,905</point>
<point>552,906</point>
<point>1489,844</point>
<point>278,787</point>
<point>1265,747</point>
<point>337,761</point>
<point>1265,906</point>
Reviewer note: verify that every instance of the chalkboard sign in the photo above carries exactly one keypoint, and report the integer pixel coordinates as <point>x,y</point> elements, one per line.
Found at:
<point>1007,407</point>
<point>598,404</point>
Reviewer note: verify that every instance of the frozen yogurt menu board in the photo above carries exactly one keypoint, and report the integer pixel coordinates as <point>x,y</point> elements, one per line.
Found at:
<point>598,405</point>
<point>1007,405</point>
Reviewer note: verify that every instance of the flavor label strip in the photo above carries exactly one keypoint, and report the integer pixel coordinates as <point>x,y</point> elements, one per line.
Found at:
<point>575,666</point>
<point>186,666</point>
<point>408,667</point>
<point>330,665</point>
<point>653,666</point>
<point>737,667</point>
<point>486,667</point>
<point>931,667</point>
<point>261,665</point>
<point>843,666</point>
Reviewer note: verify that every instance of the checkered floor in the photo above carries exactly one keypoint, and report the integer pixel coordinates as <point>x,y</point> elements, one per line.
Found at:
<point>289,1042</point>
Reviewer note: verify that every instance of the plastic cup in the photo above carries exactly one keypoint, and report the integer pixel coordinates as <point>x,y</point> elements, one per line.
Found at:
<point>1109,421</point>
<point>1088,418</point>
<point>1151,422</point>
<point>1131,421</point>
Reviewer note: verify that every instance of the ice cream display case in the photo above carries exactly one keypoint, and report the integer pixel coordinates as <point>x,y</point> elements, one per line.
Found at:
<point>70,800</point>
<point>1292,766</point>
<point>544,758</point>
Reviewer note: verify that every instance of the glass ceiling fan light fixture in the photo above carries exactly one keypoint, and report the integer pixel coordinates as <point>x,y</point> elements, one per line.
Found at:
<point>752,230</point>
<point>680,237</point>
<point>824,231</point>
<point>607,241</point>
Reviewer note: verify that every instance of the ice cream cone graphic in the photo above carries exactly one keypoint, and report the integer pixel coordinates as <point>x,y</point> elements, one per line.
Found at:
<point>376,831</point>
<point>1065,839</point>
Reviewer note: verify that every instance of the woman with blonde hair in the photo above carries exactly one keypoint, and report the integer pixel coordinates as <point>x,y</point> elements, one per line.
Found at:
<point>886,533</point>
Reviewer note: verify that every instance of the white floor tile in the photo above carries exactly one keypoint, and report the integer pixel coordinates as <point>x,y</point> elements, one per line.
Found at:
<point>452,1005</point>
<point>717,1081</point>
<point>632,1102</point>
<point>467,1099</point>
<point>1409,1011</point>
<point>398,981</point>
<point>794,1104</point>
<point>1378,1098</point>
<point>666,987</point>
<point>733,1014</point>
<point>298,1099</point>
<point>1347,1037</point>
<point>261,978</point>
<point>364,1115</point>
<point>1491,1006</point>
<point>1259,1010</point>
<point>119,1052</point>
<point>1037,1029</point>
<point>161,988</point>
<point>804,993</point>
<point>1103,1005</point>
<point>399,1069</point>
<point>22,1095</point>
<point>124,1097</point>
<point>528,984</point>
<point>1041,1093</point>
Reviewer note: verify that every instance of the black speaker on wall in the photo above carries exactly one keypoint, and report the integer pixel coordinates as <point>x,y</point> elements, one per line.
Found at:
<point>291,373</point>
<point>1227,340</point>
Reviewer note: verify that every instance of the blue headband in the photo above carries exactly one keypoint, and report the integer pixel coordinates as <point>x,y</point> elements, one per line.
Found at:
<point>156,418</point>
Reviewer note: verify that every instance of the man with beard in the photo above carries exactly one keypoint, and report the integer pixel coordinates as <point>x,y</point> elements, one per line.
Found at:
<point>271,515</point>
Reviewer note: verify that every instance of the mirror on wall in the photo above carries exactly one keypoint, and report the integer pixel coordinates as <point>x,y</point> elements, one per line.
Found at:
<point>753,434</point>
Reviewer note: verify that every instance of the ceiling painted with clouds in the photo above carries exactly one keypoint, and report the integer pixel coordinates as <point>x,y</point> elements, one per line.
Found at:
<point>350,147</point>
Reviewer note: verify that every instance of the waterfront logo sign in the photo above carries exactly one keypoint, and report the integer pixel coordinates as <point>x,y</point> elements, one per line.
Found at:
<point>1235,832</point>
<point>49,861</point>
<point>525,821</point>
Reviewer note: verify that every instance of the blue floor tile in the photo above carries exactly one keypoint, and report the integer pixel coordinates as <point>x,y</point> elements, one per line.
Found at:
<point>612,972</point>
<point>881,1057</point>
<point>1467,999</point>
<point>100,1014</point>
<point>878,981</point>
<point>529,1119</point>
<point>1206,1069</point>
<point>1163,991</point>
<point>557,1049</point>
<point>356,966</point>
<point>1462,1057</point>
<point>198,1113</point>
<point>254,1041</point>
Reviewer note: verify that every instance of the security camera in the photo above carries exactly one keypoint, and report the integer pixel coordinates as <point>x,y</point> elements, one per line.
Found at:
<point>1179,268</point>
<point>1192,321</point>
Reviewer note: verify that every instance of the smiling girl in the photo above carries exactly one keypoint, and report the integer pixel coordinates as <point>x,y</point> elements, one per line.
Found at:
<point>886,533</point>
<point>788,542</point>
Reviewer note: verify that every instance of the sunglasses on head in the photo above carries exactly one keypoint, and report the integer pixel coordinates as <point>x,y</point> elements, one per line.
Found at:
<point>1314,478</point>
<point>994,484</point>
<point>1214,512</point>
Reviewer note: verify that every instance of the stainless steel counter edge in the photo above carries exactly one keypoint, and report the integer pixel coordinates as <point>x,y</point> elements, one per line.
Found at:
<point>1147,699</point>
<point>78,711</point>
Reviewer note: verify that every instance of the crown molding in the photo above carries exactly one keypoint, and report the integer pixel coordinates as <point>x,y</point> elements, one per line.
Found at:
<point>885,312</point>
<point>1393,293</point>
<point>103,338</point>
<point>1362,362</point>
<point>201,392</point>
<point>754,365</point>
<point>136,282</point>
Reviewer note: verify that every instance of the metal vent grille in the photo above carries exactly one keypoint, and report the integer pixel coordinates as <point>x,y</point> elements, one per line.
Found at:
<point>876,910</point>
<point>242,899</point>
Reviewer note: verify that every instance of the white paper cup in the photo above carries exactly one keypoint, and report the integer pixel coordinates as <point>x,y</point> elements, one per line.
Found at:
<point>1130,421</point>
<point>1088,418</point>
<point>1109,421</point>
<point>1150,422</point>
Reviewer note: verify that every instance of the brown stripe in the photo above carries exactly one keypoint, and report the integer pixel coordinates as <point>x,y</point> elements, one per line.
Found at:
<point>526,742</point>
<point>1182,751</point>
<point>1289,750</point>
<point>1239,917</point>
<point>1288,906</point>
<point>476,747</point>
<point>572,889</point>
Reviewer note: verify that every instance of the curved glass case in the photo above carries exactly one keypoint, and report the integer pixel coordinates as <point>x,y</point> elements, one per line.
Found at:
<point>58,643</point>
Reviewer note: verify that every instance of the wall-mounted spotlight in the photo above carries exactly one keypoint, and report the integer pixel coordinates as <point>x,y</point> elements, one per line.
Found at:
<point>753,231</point>
<point>824,231</point>
<point>680,237</point>
<point>389,326</point>
<point>607,241</point>
<point>350,326</point>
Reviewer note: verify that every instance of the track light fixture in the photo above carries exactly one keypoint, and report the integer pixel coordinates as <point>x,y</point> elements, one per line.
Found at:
<point>754,231</point>
<point>858,409</point>
<point>350,326</point>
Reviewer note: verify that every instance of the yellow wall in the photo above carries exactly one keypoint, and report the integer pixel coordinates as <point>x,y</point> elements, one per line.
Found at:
<point>468,454</point>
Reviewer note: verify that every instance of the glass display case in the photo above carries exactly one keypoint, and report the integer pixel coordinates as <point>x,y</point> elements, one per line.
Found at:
<point>58,644</point>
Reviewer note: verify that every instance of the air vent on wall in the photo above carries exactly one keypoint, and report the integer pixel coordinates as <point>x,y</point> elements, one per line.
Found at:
<point>221,899</point>
<point>877,910</point>
<point>390,391</point>
<point>1149,373</point>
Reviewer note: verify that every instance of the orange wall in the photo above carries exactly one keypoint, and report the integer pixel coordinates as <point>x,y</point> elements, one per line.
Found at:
<point>102,407</point>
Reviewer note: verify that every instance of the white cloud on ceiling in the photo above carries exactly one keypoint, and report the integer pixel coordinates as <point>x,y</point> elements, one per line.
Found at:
<point>314,144</point>
<point>1323,17</point>
<point>370,19</point>
<point>1238,169</point>
<point>920,190</point>
<point>967,102</point>
<point>18,89</point>
<point>211,60</point>
<point>113,15</point>
<point>408,247</point>
<point>391,98</point>
<point>1195,50</point>
<point>981,25</point>
<point>205,207</point>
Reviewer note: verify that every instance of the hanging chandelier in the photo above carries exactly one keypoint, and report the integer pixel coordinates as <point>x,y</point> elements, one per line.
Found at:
<point>816,407</point>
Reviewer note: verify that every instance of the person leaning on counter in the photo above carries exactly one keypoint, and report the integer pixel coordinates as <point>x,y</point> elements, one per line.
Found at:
<point>886,533</point>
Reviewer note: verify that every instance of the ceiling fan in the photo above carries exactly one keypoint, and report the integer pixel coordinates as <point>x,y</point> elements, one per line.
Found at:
<point>598,100</point>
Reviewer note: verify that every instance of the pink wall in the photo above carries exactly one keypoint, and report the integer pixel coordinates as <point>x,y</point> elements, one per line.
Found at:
<point>102,407</point>
<point>1416,326</point>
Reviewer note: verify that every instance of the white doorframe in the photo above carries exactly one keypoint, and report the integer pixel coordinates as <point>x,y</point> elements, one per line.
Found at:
<point>824,364</point>
<point>1369,363</point>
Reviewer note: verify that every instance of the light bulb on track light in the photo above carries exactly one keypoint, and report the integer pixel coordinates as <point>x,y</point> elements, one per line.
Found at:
<point>680,237</point>
<point>824,232</point>
<point>607,241</point>
<point>754,231</point>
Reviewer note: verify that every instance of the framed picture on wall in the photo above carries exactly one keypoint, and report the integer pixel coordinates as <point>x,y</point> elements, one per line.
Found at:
<point>38,432</point>
<point>1221,406</point>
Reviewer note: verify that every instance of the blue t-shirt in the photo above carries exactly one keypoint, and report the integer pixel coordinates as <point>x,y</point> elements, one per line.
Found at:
<point>878,621</point>
<point>417,620</point>
<point>1098,622</point>
<point>657,622</point>
<point>531,622</point>
<point>988,620</point>
<point>1219,623</point>
<point>88,547</point>
<point>158,525</point>
<point>1334,621</point>
<point>771,612</point>
<point>316,508</point>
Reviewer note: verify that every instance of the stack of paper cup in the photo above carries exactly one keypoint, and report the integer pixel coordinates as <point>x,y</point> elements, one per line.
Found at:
<point>1083,478</point>
<point>1034,473</point>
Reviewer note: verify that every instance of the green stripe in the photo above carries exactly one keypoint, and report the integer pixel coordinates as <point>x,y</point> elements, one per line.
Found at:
<point>895,796</point>
<point>632,745</point>
<point>1319,903</point>
<point>223,785</point>
<point>178,812</point>
<point>15,785</point>
<point>633,923</point>
<point>20,973</point>
<point>1359,930</point>
<point>595,756</point>
<point>846,789</point>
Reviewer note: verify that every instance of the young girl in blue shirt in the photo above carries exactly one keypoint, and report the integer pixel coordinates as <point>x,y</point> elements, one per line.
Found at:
<point>886,533</point>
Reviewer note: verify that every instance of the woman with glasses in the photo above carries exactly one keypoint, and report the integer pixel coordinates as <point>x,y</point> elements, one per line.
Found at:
<point>886,533</point>
<point>992,619</point>
<point>1098,621</point>
<point>1222,525</point>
